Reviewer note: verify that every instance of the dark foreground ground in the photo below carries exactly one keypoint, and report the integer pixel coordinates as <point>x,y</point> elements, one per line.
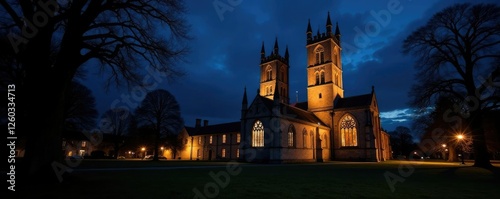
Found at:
<point>182,179</point>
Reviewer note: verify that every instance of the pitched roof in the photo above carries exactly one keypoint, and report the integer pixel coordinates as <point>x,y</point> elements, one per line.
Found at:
<point>230,127</point>
<point>293,112</point>
<point>354,101</point>
<point>301,105</point>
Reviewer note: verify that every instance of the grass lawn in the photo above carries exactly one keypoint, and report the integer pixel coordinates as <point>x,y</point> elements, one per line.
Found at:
<point>178,179</point>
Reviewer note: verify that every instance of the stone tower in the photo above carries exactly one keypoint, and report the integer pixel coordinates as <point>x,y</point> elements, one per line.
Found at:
<point>324,70</point>
<point>274,73</point>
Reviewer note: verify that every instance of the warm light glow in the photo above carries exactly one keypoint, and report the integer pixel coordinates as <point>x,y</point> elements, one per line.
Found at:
<point>143,148</point>
<point>460,136</point>
<point>162,148</point>
<point>444,145</point>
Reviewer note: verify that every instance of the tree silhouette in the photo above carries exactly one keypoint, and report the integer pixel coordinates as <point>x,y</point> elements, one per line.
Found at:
<point>117,123</point>
<point>79,111</point>
<point>50,40</point>
<point>402,141</point>
<point>160,110</point>
<point>458,51</point>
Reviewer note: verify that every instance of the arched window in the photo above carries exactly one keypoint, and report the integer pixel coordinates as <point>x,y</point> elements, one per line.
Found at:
<point>320,55</point>
<point>267,90</point>
<point>348,132</point>
<point>320,96</point>
<point>269,71</point>
<point>258,134</point>
<point>291,135</point>
<point>317,78</point>
<point>322,77</point>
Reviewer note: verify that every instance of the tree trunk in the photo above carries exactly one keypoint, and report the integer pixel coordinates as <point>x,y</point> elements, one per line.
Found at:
<point>481,157</point>
<point>452,154</point>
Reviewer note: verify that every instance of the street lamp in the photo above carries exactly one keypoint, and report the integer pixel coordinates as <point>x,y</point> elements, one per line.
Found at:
<point>162,148</point>
<point>460,138</point>
<point>143,149</point>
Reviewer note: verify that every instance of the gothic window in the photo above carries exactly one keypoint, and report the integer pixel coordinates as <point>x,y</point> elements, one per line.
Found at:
<point>223,153</point>
<point>322,77</point>
<point>211,139</point>
<point>304,139</point>
<point>237,153</point>
<point>199,140</point>
<point>320,55</point>
<point>335,61</point>
<point>238,138</point>
<point>271,90</point>
<point>348,132</point>
<point>320,96</point>
<point>223,138</point>
<point>317,78</point>
<point>258,134</point>
<point>269,73</point>
<point>267,90</point>
<point>291,135</point>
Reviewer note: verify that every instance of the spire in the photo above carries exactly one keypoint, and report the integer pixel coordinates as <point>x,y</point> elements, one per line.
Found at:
<point>328,25</point>
<point>337,31</point>
<point>286,53</point>
<point>309,31</point>
<point>262,52</point>
<point>276,49</point>
<point>373,89</point>
<point>245,101</point>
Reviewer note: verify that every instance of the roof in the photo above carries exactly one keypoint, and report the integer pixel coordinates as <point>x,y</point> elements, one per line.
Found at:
<point>293,112</point>
<point>301,105</point>
<point>230,127</point>
<point>354,101</point>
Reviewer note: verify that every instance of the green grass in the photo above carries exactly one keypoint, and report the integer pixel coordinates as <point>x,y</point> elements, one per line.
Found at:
<point>322,180</point>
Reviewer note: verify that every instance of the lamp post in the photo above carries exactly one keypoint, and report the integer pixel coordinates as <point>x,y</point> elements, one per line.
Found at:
<point>460,138</point>
<point>144,150</point>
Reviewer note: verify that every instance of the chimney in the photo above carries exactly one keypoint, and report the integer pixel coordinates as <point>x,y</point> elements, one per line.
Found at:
<point>198,123</point>
<point>205,122</point>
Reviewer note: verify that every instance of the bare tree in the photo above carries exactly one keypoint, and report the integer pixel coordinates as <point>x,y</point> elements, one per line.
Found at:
<point>458,51</point>
<point>52,39</point>
<point>80,112</point>
<point>160,110</point>
<point>117,123</point>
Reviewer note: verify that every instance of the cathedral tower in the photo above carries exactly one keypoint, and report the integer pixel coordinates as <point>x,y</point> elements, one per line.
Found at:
<point>274,74</point>
<point>324,68</point>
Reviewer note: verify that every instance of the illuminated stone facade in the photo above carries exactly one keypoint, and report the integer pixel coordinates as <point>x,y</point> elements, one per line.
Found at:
<point>328,126</point>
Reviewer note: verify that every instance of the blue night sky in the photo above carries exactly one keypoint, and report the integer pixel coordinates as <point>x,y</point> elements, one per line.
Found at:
<point>225,53</point>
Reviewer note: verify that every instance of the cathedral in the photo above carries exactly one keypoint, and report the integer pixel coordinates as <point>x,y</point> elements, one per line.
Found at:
<point>328,126</point>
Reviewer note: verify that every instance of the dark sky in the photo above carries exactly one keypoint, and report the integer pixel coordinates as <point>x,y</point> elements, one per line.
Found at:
<point>225,53</point>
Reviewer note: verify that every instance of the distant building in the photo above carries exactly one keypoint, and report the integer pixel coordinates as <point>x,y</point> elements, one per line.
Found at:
<point>328,126</point>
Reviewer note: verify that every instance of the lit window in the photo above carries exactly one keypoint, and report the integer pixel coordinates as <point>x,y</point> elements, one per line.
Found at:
<point>199,140</point>
<point>348,131</point>
<point>211,137</point>
<point>237,153</point>
<point>238,138</point>
<point>223,153</point>
<point>84,143</point>
<point>224,138</point>
<point>258,134</point>
<point>291,133</point>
